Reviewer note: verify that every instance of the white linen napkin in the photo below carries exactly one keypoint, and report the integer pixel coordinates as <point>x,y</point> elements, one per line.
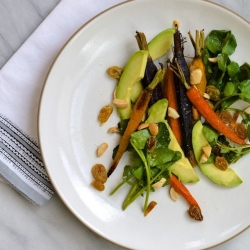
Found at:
<point>21,82</point>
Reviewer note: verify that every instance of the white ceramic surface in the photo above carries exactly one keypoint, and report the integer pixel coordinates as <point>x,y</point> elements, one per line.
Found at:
<point>78,86</point>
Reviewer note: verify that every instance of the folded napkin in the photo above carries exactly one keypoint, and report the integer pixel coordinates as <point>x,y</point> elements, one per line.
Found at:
<point>21,82</point>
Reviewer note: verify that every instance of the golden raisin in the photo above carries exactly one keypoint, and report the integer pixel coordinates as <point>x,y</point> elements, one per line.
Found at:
<point>99,172</point>
<point>225,116</point>
<point>98,185</point>
<point>151,143</point>
<point>213,92</point>
<point>195,213</point>
<point>115,72</point>
<point>240,130</point>
<point>104,114</point>
<point>221,163</point>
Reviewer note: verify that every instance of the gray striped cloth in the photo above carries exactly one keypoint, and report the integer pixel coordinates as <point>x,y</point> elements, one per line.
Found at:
<point>21,165</point>
<point>21,82</point>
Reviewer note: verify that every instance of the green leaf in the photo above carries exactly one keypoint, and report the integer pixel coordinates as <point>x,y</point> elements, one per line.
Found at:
<point>127,171</point>
<point>244,87</point>
<point>215,40</point>
<point>230,89</point>
<point>230,44</point>
<point>122,125</point>
<point>244,72</point>
<point>210,133</point>
<point>138,172</point>
<point>160,156</point>
<point>139,138</point>
<point>233,69</point>
<point>222,61</point>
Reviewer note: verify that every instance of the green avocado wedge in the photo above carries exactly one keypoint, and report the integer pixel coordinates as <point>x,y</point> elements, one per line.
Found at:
<point>226,178</point>
<point>136,91</point>
<point>132,73</point>
<point>161,43</point>
<point>182,168</point>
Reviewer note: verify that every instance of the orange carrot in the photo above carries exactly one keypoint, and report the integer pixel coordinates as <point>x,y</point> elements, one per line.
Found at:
<point>197,64</point>
<point>138,112</point>
<point>194,209</point>
<point>207,112</point>
<point>211,117</point>
<point>170,95</point>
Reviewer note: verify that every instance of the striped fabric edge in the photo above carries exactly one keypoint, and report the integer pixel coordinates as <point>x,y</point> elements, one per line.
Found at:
<point>21,164</point>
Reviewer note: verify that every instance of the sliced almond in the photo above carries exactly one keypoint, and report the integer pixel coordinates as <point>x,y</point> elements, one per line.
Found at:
<point>153,128</point>
<point>142,126</point>
<point>173,194</point>
<point>247,110</point>
<point>101,149</point>
<point>114,94</point>
<point>207,150</point>
<point>173,113</point>
<point>213,60</point>
<point>120,103</point>
<point>113,130</point>
<point>159,183</point>
<point>195,76</point>
<point>203,158</point>
<point>206,96</point>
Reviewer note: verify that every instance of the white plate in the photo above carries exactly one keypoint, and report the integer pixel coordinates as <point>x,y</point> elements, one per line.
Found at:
<point>76,89</point>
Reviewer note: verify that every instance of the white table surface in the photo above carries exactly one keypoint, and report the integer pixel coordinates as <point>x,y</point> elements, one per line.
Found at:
<point>53,226</point>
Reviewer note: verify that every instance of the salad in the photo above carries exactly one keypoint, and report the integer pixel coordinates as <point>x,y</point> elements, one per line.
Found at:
<point>178,115</point>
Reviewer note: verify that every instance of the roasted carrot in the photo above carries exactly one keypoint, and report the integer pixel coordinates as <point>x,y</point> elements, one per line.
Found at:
<point>170,94</point>
<point>150,70</point>
<point>207,112</point>
<point>197,67</point>
<point>211,117</point>
<point>194,209</point>
<point>184,105</point>
<point>139,110</point>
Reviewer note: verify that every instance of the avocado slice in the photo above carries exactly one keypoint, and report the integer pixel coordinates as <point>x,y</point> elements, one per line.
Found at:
<point>132,73</point>
<point>161,43</point>
<point>224,178</point>
<point>182,168</point>
<point>136,91</point>
<point>157,112</point>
